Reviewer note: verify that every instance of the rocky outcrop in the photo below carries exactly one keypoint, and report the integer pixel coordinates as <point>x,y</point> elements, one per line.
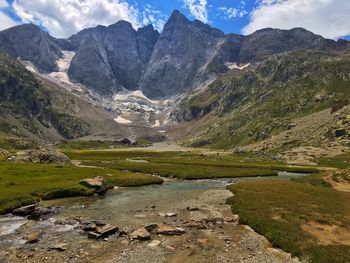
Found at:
<point>97,183</point>
<point>30,43</point>
<point>40,156</point>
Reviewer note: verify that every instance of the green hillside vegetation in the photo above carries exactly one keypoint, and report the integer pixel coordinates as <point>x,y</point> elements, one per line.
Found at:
<point>251,105</point>
<point>35,109</point>
<point>283,211</point>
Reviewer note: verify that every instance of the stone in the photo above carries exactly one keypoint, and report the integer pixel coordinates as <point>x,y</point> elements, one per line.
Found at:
<point>24,211</point>
<point>89,227</point>
<point>40,212</point>
<point>97,183</point>
<point>93,235</point>
<point>167,214</point>
<point>59,246</point>
<point>33,238</point>
<point>141,216</point>
<point>191,208</point>
<point>125,231</point>
<point>154,243</point>
<point>151,227</point>
<point>339,132</point>
<point>107,230</point>
<point>140,234</point>
<point>170,231</point>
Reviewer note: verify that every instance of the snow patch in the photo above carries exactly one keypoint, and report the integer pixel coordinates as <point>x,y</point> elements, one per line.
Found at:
<point>235,66</point>
<point>122,120</point>
<point>63,65</point>
<point>156,124</point>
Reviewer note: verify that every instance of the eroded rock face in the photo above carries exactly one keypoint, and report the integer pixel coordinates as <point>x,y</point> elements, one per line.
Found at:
<point>118,54</point>
<point>30,43</point>
<point>40,156</point>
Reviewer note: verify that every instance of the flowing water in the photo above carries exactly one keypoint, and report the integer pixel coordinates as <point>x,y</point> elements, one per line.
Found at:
<point>128,207</point>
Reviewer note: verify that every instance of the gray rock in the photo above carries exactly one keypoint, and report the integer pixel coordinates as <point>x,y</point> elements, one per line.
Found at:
<point>24,211</point>
<point>42,155</point>
<point>97,183</point>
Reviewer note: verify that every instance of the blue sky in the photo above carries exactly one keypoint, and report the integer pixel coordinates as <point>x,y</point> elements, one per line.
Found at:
<point>62,18</point>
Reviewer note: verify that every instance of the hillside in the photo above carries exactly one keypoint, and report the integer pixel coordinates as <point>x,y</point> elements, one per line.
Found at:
<point>36,109</point>
<point>293,91</point>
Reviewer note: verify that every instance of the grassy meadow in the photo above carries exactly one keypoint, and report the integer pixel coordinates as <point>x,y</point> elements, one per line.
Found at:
<point>27,183</point>
<point>305,216</point>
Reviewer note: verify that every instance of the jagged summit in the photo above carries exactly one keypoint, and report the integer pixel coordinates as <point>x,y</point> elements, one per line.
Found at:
<point>186,55</point>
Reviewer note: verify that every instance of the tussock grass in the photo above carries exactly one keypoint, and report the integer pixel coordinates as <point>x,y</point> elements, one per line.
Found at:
<point>278,209</point>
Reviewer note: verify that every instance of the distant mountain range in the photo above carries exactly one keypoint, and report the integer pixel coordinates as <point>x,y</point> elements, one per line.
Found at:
<point>203,87</point>
<point>185,56</point>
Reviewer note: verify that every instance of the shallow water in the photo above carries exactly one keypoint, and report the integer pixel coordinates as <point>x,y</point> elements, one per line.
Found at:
<point>124,206</point>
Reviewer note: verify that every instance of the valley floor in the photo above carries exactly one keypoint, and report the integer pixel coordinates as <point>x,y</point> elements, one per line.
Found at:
<point>307,216</point>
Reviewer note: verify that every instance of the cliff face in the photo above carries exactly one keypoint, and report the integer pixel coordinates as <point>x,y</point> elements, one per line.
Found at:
<point>184,57</point>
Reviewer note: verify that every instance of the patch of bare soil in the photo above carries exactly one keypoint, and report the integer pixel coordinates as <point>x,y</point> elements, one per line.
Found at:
<point>328,234</point>
<point>339,185</point>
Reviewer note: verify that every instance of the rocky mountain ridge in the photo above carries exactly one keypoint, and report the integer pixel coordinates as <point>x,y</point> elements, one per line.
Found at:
<point>185,56</point>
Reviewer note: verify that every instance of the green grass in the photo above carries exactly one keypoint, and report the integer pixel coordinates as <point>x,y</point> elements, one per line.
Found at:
<point>277,209</point>
<point>185,165</point>
<point>22,184</point>
<point>187,172</point>
<point>340,161</point>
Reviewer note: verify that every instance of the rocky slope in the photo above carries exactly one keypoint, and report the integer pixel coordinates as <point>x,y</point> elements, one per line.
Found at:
<point>274,97</point>
<point>38,109</point>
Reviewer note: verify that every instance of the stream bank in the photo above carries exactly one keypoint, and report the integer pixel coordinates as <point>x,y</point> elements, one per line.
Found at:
<point>212,232</point>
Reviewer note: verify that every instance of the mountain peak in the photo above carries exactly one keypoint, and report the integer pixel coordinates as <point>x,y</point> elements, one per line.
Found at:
<point>177,16</point>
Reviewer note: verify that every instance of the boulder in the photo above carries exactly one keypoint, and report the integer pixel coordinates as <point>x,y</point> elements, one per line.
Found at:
<point>97,183</point>
<point>107,230</point>
<point>124,141</point>
<point>93,235</point>
<point>40,212</point>
<point>33,238</point>
<point>140,234</point>
<point>170,231</point>
<point>40,156</point>
<point>24,211</point>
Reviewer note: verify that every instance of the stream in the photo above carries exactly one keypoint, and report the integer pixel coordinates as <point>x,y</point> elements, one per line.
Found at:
<point>212,231</point>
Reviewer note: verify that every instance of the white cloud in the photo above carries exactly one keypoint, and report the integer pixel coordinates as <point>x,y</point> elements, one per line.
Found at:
<point>3,4</point>
<point>198,9</point>
<point>329,18</point>
<point>153,16</point>
<point>231,12</point>
<point>6,21</point>
<point>63,18</point>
